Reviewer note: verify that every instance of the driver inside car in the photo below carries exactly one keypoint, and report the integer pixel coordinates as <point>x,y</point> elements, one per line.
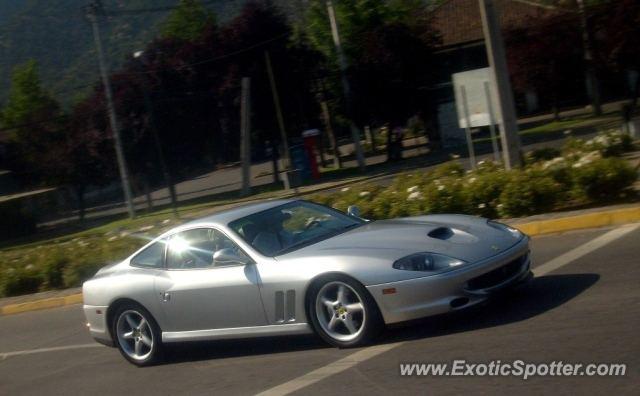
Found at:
<point>272,236</point>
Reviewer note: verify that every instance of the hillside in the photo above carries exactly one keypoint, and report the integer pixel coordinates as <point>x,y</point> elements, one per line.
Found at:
<point>57,34</point>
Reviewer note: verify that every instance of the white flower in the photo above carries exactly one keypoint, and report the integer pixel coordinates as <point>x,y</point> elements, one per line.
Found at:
<point>472,180</point>
<point>166,221</point>
<point>480,163</point>
<point>482,206</point>
<point>124,234</point>
<point>412,189</point>
<point>146,228</point>
<point>440,187</point>
<point>567,132</point>
<point>113,238</point>
<point>455,156</point>
<point>500,206</point>
<point>345,189</point>
<point>364,193</point>
<point>414,195</point>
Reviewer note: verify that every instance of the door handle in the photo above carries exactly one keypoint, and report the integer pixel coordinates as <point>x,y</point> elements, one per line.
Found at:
<point>165,296</point>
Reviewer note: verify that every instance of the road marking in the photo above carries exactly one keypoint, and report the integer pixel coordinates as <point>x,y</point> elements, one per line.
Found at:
<point>370,352</point>
<point>332,368</point>
<point>583,250</point>
<point>4,355</point>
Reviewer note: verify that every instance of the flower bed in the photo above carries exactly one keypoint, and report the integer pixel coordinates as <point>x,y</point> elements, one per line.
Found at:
<point>581,173</point>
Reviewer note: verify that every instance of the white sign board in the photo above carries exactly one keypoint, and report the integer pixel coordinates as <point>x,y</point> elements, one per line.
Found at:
<point>473,83</point>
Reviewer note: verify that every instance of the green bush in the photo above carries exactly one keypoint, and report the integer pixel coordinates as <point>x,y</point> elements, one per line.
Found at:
<point>542,154</point>
<point>527,193</point>
<point>603,178</point>
<point>15,281</point>
<point>53,264</point>
<point>482,192</point>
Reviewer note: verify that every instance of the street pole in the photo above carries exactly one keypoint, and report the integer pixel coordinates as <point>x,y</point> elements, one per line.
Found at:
<point>93,10</point>
<point>467,127</point>
<point>342,61</point>
<point>276,102</point>
<point>337,164</point>
<point>593,88</point>
<point>511,149</point>
<point>245,136</point>
<point>492,122</point>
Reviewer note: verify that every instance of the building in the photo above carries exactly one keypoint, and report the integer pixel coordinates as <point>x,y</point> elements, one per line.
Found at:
<point>462,48</point>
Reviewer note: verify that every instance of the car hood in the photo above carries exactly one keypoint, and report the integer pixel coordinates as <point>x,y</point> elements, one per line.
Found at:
<point>463,237</point>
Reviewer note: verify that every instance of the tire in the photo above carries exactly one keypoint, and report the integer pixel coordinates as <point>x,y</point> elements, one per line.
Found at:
<point>343,313</point>
<point>137,335</point>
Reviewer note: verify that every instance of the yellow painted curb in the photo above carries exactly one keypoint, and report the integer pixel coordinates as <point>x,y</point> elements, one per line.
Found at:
<point>45,303</point>
<point>579,222</point>
<point>540,227</point>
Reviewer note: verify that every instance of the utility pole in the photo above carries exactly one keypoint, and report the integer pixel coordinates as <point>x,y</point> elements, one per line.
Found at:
<point>511,149</point>
<point>245,135</point>
<point>593,88</point>
<point>337,164</point>
<point>342,61</point>
<point>276,103</point>
<point>93,10</point>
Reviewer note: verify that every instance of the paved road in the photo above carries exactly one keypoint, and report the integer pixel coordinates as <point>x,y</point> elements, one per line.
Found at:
<point>585,307</point>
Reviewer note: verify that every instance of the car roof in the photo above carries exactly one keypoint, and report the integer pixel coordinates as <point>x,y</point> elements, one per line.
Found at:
<point>226,216</point>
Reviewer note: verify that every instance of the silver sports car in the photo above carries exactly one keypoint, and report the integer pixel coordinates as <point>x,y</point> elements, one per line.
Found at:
<point>293,267</point>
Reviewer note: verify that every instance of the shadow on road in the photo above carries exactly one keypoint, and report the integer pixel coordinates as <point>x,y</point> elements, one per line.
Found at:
<point>194,351</point>
<point>542,294</point>
<point>539,296</point>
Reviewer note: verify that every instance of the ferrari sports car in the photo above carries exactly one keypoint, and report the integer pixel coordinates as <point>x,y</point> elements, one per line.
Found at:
<point>287,267</point>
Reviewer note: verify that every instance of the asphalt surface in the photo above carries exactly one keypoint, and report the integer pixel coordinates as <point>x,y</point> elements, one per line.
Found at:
<point>586,311</point>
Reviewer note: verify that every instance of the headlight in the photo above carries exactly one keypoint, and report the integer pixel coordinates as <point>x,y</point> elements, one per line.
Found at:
<point>427,262</point>
<point>503,227</point>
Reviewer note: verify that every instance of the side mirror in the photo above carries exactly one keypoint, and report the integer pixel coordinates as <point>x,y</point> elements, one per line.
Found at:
<point>353,210</point>
<point>228,256</point>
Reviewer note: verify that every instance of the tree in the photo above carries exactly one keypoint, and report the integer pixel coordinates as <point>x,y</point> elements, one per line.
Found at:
<point>617,26</point>
<point>389,49</point>
<point>86,156</point>
<point>188,21</point>
<point>544,65</point>
<point>35,121</point>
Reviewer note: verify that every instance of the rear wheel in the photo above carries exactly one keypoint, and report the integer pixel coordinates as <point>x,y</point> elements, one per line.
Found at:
<point>137,335</point>
<point>343,313</point>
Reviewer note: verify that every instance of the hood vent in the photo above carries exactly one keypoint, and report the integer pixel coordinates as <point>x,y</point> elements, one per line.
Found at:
<point>442,233</point>
<point>452,235</point>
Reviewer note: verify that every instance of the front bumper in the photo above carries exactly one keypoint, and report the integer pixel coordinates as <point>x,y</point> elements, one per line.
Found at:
<point>97,322</point>
<point>432,295</point>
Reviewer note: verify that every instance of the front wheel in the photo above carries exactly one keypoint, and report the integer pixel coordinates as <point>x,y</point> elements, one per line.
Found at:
<point>343,313</point>
<point>137,335</point>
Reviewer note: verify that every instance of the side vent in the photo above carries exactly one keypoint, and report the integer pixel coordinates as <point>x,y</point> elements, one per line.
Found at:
<point>279,306</point>
<point>285,307</point>
<point>291,305</point>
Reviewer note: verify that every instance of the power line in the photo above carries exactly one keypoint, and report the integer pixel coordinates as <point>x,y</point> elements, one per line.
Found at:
<point>217,58</point>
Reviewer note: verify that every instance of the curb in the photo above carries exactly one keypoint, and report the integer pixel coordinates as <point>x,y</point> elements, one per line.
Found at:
<point>45,303</point>
<point>534,228</point>
<point>579,222</point>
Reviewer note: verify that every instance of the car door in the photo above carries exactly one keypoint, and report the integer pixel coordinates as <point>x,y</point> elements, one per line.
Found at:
<point>197,293</point>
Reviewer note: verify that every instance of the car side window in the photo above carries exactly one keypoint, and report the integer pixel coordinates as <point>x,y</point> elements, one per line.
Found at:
<point>192,249</point>
<point>151,257</point>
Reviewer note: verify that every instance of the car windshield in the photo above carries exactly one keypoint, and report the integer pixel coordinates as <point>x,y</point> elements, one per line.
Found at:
<point>291,226</point>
